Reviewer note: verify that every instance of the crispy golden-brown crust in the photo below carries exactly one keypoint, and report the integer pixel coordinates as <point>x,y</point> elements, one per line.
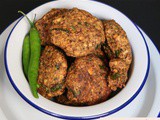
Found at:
<point>77,32</point>
<point>86,81</point>
<point>52,71</point>
<point>44,24</point>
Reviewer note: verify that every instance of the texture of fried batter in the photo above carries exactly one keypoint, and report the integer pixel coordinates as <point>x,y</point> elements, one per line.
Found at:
<point>86,81</point>
<point>118,75</point>
<point>44,24</point>
<point>77,32</point>
<point>52,72</point>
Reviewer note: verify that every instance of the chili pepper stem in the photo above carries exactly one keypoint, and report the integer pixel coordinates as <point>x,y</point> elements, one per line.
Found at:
<point>31,23</point>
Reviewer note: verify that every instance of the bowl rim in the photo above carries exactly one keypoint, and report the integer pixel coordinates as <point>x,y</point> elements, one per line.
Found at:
<point>74,117</point>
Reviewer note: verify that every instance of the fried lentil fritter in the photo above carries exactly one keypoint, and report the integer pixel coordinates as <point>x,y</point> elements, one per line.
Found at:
<point>52,71</point>
<point>86,81</point>
<point>117,41</point>
<point>44,24</point>
<point>77,32</point>
<point>117,77</point>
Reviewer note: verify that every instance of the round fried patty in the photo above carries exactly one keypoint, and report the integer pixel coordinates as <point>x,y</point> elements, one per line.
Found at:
<point>86,81</point>
<point>77,32</point>
<point>44,24</point>
<point>52,71</point>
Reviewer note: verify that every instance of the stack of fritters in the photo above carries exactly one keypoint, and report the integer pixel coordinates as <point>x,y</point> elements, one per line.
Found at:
<point>94,74</point>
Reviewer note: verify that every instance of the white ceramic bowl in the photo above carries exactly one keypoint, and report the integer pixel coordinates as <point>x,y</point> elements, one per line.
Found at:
<point>138,76</point>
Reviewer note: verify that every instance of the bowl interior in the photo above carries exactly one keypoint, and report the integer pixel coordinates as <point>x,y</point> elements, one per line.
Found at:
<point>13,55</point>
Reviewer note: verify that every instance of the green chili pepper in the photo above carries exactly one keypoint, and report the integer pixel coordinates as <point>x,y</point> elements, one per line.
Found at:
<point>35,50</point>
<point>26,55</point>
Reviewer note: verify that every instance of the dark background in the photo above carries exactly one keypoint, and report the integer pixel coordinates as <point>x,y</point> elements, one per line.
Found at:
<point>145,13</point>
